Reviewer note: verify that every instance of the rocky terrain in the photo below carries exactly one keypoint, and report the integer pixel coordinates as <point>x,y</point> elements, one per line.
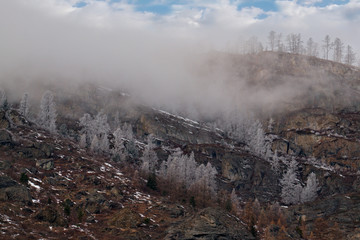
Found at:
<point>51,188</point>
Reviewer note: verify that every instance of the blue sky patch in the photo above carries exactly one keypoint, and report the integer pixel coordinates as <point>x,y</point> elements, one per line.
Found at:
<point>165,7</point>
<point>80,4</point>
<point>264,5</point>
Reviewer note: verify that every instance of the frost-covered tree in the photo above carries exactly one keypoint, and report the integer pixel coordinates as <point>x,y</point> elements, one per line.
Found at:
<point>127,131</point>
<point>205,180</point>
<point>101,124</point>
<point>258,141</point>
<point>86,122</point>
<point>249,131</point>
<point>235,203</point>
<point>24,105</point>
<point>275,162</point>
<point>82,142</point>
<point>95,145</point>
<point>118,148</point>
<point>97,126</point>
<point>149,157</point>
<point>291,188</point>
<point>104,143</point>
<point>3,100</point>
<point>309,192</point>
<point>47,114</point>
<point>182,170</point>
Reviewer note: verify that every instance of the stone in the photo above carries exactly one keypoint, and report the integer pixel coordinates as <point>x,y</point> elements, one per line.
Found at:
<point>5,165</point>
<point>12,191</point>
<point>5,138</point>
<point>126,218</point>
<point>46,164</point>
<point>4,123</point>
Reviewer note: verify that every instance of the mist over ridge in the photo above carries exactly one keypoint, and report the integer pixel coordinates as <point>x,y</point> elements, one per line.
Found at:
<point>165,69</point>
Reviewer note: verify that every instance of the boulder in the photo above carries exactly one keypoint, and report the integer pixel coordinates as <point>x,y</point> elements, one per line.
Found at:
<point>125,218</point>
<point>5,165</point>
<point>51,215</point>
<point>46,164</point>
<point>37,150</point>
<point>12,191</point>
<point>4,123</point>
<point>5,138</point>
<point>94,203</point>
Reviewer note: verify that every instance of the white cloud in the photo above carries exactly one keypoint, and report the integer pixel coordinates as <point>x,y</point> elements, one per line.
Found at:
<point>157,54</point>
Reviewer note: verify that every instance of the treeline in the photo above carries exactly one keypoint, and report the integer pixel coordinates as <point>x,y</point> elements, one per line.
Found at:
<point>329,48</point>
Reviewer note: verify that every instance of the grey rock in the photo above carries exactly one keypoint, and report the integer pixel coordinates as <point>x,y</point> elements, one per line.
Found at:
<point>12,191</point>
<point>5,138</point>
<point>46,164</point>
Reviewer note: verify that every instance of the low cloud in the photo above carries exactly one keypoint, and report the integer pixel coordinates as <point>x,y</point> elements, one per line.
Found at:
<point>163,60</point>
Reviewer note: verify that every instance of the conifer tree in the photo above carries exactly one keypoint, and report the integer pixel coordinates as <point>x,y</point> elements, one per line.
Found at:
<point>47,115</point>
<point>309,192</point>
<point>95,144</point>
<point>24,105</point>
<point>291,188</point>
<point>3,100</point>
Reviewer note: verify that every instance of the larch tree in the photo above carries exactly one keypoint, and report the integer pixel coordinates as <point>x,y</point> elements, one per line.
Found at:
<point>338,50</point>
<point>3,100</point>
<point>104,143</point>
<point>327,46</point>
<point>309,192</point>
<point>291,188</point>
<point>272,40</point>
<point>275,162</point>
<point>149,157</point>
<point>83,143</point>
<point>24,105</point>
<point>258,141</point>
<point>95,145</point>
<point>47,114</point>
<point>294,43</point>
<point>349,56</point>
<point>86,122</point>
<point>235,203</point>
<point>311,48</point>
<point>118,149</point>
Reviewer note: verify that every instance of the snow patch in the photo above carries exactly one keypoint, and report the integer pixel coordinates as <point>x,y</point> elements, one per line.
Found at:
<point>34,186</point>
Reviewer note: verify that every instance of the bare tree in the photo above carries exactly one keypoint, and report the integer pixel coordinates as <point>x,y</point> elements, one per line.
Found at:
<point>338,50</point>
<point>279,43</point>
<point>349,55</point>
<point>294,43</point>
<point>311,48</point>
<point>272,40</point>
<point>327,46</point>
